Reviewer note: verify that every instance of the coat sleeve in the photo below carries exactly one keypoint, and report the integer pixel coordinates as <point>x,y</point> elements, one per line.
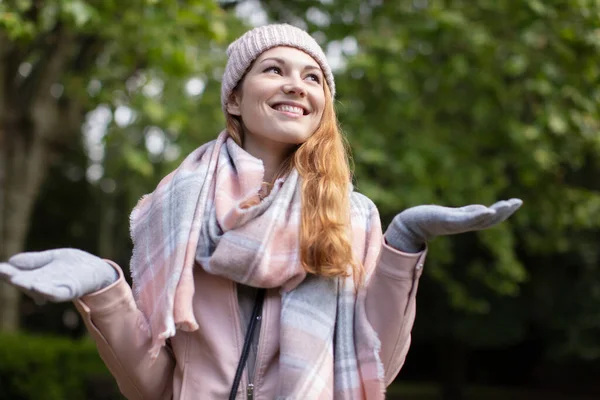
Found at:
<point>123,341</point>
<point>391,300</point>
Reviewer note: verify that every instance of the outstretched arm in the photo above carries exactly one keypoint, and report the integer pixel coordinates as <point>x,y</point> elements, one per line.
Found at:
<point>413,228</point>
<point>391,291</point>
<point>106,303</point>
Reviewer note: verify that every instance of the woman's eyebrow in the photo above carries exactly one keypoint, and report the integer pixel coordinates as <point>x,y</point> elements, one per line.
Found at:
<point>282,61</point>
<point>310,66</point>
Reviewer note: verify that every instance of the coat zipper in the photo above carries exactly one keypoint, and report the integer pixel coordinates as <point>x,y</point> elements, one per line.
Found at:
<point>250,391</point>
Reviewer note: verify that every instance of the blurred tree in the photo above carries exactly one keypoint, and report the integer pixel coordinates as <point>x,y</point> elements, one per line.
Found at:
<point>448,102</point>
<point>62,61</point>
<point>455,102</point>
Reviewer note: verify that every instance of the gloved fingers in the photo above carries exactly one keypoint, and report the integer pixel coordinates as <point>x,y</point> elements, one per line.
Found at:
<point>54,292</point>
<point>7,271</point>
<point>26,280</point>
<point>506,205</point>
<point>39,291</point>
<point>36,285</point>
<point>503,210</point>
<point>40,285</point>
<point>467,218</point>
<point>472,209</point>
<point>31,260</point>
<point>515,202</point>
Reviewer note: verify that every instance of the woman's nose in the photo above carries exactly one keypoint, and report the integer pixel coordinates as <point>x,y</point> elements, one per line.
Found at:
<point>294,86</point>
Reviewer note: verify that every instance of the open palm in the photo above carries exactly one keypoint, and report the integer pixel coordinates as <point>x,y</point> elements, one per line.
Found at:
<point>58,275</point>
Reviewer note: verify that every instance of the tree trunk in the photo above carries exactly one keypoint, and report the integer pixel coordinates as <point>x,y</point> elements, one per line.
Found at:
<point>31,122</point>
<point>23,163</point>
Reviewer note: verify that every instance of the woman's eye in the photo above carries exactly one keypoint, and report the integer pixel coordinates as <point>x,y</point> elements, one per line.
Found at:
<point>314,77</point>
<point>276,70</point>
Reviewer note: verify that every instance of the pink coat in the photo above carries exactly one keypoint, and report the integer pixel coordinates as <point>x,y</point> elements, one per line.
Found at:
<point>202,364</point>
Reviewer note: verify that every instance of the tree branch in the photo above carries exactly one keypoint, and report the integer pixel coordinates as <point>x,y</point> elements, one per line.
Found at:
<point>48,47</point>
<point>230,4</point>
<point>8,65</point>
<point>89,48</point>
<point>68,124</point>
<point>40,101</point>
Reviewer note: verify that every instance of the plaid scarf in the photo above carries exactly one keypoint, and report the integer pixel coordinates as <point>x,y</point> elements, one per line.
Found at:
<point>328,350</point>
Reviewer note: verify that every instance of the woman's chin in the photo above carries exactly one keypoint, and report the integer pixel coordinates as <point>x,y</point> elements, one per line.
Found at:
<point>289,136</point>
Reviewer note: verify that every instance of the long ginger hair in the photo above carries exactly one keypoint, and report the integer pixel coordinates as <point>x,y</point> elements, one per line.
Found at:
<point>323,162</point>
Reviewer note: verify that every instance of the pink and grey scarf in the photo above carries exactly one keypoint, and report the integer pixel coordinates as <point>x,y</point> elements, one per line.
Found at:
<point>328,350</point>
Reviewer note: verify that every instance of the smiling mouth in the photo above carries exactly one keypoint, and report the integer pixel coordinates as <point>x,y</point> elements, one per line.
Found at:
<point>290,109</point>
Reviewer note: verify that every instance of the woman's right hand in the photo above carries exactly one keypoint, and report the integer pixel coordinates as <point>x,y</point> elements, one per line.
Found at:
<point>58,275</point>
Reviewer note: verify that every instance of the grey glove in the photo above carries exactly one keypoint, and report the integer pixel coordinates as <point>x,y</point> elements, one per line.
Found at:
<point>58,275</point>
<point>412,228</point>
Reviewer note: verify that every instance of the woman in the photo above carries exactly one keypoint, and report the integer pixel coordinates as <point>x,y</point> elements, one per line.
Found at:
<point>258,272</point>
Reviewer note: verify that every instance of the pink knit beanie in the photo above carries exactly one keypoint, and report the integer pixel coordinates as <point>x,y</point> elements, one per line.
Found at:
<point>242,52</point>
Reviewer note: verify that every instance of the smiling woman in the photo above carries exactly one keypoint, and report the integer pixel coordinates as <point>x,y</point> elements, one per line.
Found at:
<point>258,272</point>
<point>280,103</point>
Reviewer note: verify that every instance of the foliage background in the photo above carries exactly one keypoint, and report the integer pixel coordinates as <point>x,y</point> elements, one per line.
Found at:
<point>446,102</point>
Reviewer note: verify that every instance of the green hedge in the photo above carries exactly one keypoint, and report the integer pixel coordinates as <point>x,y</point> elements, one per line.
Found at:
<point>34,367</point>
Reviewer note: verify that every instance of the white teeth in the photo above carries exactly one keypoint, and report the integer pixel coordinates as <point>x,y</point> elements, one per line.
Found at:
<point>291,109</point>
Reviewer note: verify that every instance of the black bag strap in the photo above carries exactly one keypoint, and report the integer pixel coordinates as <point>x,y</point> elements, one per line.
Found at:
<point>258,304</point>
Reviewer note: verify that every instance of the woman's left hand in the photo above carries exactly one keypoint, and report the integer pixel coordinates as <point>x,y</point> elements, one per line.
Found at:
<point>414,227</point>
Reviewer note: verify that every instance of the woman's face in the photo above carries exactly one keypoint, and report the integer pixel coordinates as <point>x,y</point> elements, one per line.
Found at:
<point>281,98</point>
